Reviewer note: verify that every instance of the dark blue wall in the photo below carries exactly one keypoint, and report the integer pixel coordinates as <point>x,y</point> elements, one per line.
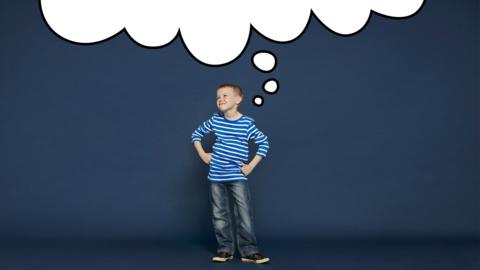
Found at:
<point>372,135</point>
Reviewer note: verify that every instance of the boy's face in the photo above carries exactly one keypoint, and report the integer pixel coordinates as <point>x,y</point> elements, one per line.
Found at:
<point>227,99</point>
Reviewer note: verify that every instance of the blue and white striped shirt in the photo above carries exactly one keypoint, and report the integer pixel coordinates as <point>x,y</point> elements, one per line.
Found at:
<point>230,150</point>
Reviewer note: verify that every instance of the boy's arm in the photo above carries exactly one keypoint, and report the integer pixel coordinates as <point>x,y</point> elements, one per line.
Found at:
<point>254,162</point>
<point>263,145</point>
<point>202,130</point>
<point>197,135</point>
<point>204,156</point>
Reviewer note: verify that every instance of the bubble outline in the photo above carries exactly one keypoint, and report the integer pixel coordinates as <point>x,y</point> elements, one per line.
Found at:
<point>252,29</point>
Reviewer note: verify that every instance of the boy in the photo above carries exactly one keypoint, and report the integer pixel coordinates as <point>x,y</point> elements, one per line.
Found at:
<point>228,171</point>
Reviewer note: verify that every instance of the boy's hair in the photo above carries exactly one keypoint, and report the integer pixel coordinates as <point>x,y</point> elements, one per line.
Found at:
<point>235,88</point>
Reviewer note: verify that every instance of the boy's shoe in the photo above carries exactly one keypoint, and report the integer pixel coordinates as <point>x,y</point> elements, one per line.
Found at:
<point>256,258</point>
<point>222,257</point>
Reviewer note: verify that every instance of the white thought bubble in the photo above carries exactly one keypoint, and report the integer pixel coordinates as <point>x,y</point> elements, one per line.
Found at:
<point>264,61</point>
<point>215,32</point>
<point>270,86</point>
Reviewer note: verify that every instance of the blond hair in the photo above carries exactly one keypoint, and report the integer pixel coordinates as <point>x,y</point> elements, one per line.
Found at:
<point>235,88</point>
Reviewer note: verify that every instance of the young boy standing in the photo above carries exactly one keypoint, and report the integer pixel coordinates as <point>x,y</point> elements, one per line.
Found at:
<point>228,172</point>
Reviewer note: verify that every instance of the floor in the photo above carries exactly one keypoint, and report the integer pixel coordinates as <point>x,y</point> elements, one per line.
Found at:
<point>331,255</point>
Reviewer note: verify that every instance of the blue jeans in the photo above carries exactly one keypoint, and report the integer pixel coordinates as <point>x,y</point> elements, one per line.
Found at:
<point>222,217</point>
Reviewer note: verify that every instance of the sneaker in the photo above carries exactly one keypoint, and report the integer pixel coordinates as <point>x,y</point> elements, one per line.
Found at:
<point>222,257</point>
<point>256,258</point>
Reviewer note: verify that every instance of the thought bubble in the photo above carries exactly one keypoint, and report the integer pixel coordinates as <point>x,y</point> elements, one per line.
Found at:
<point>258,100</point>
<point>270,86</point>
<point>265,61</point>
<point>215,32</point>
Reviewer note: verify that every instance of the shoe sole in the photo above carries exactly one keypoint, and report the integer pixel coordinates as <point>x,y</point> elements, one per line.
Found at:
<point>256,261</point>
<point>220,259</point>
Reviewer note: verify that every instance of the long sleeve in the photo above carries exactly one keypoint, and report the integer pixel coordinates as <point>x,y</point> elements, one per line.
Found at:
<point>202,130</point>
<point>259,138</point>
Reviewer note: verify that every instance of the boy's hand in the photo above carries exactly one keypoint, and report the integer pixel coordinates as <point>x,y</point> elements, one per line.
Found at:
<point>247,169</point>
<point>206,157</point>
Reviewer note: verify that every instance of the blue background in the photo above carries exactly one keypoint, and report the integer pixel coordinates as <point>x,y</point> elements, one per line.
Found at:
<point>373,136</point>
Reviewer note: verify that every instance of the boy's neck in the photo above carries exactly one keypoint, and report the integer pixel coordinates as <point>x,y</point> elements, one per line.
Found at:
<point>232,114</point>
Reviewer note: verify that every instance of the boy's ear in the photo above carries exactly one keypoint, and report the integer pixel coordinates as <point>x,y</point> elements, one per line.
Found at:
<point>238,99</point>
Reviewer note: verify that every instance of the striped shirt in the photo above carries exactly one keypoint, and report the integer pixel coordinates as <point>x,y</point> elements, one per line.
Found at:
<point>230,150</point>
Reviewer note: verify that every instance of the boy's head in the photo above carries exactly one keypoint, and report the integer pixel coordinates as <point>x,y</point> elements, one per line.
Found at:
<point>229,97</point>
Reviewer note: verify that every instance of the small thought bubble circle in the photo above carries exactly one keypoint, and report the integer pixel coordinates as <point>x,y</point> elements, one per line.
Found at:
<point>270,86</point>
<point>258,100</point>
<point>264,61</point>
